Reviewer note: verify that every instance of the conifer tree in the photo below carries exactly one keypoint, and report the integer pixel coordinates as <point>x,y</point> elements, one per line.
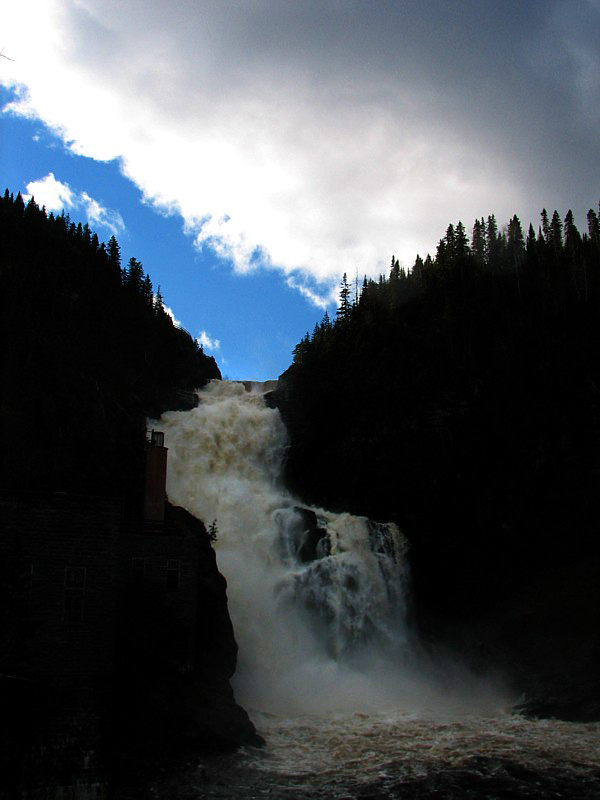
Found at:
<point>441,253</point>
<point>114,253</point>
<point>556,232</point>
<point>492,242</point>
<point>417,271</point>
<point>134,275</point>
<point>593,226</point>
<point>572,247</point>
<point>515,241</point>
<point>147,290</point>
<point>450,239</point>
<point>531,241</point>
<point>572,235</point>
<point>461,243</point>
<point>545,228</point>
<point>516,248</point>
<point>213,531</point>
<point>301,349</point>
<point>365,287</point>
<point>345,305</point>
<point>478,240</point>
<point>158,302</point>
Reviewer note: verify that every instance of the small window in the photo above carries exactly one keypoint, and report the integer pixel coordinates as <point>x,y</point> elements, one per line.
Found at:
<point>138,568</point>
<point>173,573</point>
<point>74,593</point>
<point>157,439</point>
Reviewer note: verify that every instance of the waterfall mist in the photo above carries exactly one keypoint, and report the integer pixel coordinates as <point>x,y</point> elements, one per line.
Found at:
<point>318,600</point>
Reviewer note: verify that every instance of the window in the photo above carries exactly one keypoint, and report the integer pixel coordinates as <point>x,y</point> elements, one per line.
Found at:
<point>74,593</point>
<point>173,573</point>
<point>157,439</point>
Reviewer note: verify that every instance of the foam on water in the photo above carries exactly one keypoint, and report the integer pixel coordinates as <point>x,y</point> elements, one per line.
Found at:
<point>318,600</point>
<point>327,665</point>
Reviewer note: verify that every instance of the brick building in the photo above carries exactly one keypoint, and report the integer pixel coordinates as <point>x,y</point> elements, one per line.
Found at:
<point>79,580</point>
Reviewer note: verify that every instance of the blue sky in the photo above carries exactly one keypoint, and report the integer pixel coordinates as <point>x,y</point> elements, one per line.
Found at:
<point>257,319</point>
<point>249,153</point>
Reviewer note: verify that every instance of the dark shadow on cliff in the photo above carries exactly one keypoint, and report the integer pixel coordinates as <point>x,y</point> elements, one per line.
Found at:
<point>462,401</point>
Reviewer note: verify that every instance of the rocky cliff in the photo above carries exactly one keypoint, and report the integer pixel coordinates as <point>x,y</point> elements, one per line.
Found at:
<point>507,579</point>
<point>174,664</point>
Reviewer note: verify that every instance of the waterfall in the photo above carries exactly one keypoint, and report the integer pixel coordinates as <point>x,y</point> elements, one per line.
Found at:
<point>317,599</point>
<point>347,704</point>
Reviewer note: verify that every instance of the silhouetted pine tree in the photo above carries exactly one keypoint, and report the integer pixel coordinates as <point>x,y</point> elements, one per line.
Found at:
<point>345,304</point>
<point>84,356</point>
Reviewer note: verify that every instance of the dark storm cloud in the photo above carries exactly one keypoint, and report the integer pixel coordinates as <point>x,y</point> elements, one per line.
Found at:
<point>307,131</point>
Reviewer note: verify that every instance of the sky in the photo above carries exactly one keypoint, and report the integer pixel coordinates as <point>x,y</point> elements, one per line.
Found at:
<point>250,152</point>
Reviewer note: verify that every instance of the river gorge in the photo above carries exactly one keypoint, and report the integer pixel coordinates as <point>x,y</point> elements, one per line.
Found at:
<point>348,701</point>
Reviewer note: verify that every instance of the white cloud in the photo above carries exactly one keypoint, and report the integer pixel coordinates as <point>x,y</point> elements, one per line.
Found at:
<point>169,313</point>
<point>321,299</point>
<point>51,193</point>
<point>207,343</point>
<point>56,196</point>
<point>98,215</point>
<point>314,137</point>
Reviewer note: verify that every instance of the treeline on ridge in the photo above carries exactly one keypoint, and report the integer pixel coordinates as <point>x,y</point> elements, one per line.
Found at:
<point>87,353</point>
<point>461,398</point>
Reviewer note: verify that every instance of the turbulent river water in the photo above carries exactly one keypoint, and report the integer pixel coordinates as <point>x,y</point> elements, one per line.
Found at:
<point>349,704</point>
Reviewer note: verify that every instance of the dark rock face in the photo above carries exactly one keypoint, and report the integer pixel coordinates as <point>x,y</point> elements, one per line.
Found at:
<point>100,682</point>
<point>181,400</point>
<point>509,580</point>
<point>312,541</point>
<point>176,704</point>
<point>225,724</point>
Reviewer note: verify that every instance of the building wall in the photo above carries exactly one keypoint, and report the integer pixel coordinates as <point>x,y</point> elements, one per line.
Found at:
<point>163,559</point>
<point>49,539</point>
<point>59,569</point>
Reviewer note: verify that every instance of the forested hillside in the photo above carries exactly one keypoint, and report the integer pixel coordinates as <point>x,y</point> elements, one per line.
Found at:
<point>462,399</point>
<point>87,352</point>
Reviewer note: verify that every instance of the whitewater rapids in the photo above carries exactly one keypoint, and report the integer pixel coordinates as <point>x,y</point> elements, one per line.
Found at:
<point>327,667</point>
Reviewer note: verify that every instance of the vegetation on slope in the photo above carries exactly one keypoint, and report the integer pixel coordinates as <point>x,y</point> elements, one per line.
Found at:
<point>87,352</point>
<point>462,399</point>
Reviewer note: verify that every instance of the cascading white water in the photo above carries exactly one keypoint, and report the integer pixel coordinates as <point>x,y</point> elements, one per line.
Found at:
<point>317,599</point>
<point>326,666</point>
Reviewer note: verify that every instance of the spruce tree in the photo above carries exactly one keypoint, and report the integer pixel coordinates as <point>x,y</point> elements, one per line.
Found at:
<point>450,238</point>
<point>492,244</point>
<point>515,241</point>
<point>114,253</point>
<point>345,305</point>
<point>545,226</point>
<point>461,242</point>
<point>134,276</point>
<point>556,232</point>
<point>531,240</point>
<point>572,235</point>
<point>158,302</point>
<point>478,240</point>
<point>593,226</point>
<point>417,272</point>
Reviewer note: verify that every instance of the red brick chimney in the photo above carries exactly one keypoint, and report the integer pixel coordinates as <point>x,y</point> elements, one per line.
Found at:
<point>156,477</point>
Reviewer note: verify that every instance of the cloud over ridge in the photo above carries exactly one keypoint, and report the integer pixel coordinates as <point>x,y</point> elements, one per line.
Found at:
<point>320,137</point>
<point>57,196</point>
